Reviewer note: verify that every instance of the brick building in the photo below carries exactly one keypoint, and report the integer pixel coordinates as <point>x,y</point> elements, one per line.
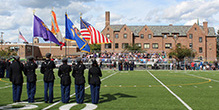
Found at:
<point>201,39</point>
<point>40,49</point>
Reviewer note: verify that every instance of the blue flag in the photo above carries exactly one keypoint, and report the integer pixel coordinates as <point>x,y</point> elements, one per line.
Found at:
<point>41,30</point>
<point>72,33</point>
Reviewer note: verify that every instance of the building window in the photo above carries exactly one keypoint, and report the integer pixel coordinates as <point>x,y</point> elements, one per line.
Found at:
<point>190,36</point>
<point>200,39</point>
<point>108,36</point>
<point>138,44</point>
<point>124,45</point>
<point>142,36</point>
<point>107,29</point>
<point>190,45</point>
<point>117,36</point>
<point>168,45</point>
<point>164,36</point>
<point>200,49</point>
<point>149,36</point>
<point>146,45</point>
<point>116,45</point>
<point>175,37</point>
<point>125,36</point>
<point>108,46</point>
<point>155,45</point>
<point>125,29</point>
<point>195,29</point>
<point>145,29</point>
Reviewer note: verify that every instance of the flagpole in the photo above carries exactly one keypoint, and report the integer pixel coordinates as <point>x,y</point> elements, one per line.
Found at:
<point>33,38</point>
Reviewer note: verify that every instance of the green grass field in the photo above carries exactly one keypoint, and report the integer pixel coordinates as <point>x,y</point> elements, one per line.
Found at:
<point>134,90</point>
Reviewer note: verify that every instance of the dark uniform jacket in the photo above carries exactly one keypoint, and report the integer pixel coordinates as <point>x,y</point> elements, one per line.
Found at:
<point>2,65</point>
<point>15,72</point>
<point>93,75</point>
<point>131,64</point>
<point>8,65</point>
<point>47,69</point>
<point>63,73</point>
<point>29,71</point>
<point>78,73</point>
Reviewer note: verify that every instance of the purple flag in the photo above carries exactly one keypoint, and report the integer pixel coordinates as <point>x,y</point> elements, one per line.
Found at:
<point>41,30</point>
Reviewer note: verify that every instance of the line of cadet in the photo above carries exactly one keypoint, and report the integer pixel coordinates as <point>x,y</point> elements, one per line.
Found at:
<point>16,77</point>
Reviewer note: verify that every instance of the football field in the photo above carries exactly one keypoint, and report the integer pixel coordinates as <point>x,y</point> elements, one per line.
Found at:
<point>130,90</point>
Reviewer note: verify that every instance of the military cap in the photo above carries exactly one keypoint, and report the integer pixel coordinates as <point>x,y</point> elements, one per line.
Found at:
<point>64,59</point>
<point>16,57</point>
<point>30,58</point>
<point>48,55</point>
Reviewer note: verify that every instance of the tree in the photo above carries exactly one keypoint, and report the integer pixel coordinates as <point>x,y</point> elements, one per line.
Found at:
<point>95,47</point>
<point>180,52</point>
<point>133,48</point>
<point>7,53</point>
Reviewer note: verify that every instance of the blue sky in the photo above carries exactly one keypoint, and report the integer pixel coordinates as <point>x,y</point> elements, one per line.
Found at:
<point>18,14</point>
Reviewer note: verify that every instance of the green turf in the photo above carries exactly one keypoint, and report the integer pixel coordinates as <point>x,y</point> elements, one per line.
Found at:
<point>136,90</point>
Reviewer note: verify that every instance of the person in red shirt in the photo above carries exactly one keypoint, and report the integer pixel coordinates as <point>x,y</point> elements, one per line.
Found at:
<point>192,65</point>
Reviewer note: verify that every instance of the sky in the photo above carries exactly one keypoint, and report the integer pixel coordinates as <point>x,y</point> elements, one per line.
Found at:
<point>17,15</point>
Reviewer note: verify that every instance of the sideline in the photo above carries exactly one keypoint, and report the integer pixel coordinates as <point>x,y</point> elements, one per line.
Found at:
<point>201,77</point>
<point>74,93</point>
<point>186,105</point>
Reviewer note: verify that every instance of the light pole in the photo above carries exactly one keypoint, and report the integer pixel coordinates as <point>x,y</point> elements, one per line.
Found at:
<point>2,39</point>
<point>175,39</point>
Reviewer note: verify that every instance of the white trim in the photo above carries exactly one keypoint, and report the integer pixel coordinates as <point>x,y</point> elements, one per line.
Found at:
<point>74,93</point>
<point>56,47</point>
<point>186,105</point>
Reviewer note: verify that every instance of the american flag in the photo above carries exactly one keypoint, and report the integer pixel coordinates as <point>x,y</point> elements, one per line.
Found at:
<point>90,33</point>
<point>22,37</point>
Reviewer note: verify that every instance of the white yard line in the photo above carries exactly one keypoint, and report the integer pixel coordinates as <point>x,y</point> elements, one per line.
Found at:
<point>201,77</point>
<point>186,105</point>
<point>11,85</point>
<point>74,93</point>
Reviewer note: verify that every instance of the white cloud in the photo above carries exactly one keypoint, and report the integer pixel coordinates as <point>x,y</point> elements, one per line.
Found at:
<point>15,14</point>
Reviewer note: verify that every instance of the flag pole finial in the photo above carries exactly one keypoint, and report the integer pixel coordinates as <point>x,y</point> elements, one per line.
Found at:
<point>34,11</point>
<point>80,15</point>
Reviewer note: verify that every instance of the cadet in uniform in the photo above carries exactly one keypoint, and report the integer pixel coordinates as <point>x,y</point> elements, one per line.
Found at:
<point>131,64</point>
<point>8,63</point>
<point>94,81</point>
<point>78,74</point>
<point>2,68</point>
<point>47,69</point>
<point>65,82</point>
<point>16,77</point>
<point>29,70</point>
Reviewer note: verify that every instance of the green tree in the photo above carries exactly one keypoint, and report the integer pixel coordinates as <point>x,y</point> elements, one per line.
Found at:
<point>180,52</point>
<point>7,53</point>
<point>133,48</point>
<point>95,47</point>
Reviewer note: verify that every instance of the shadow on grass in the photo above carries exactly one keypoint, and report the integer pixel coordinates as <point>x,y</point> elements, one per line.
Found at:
<point>87,98</point>
<point>110,97</point>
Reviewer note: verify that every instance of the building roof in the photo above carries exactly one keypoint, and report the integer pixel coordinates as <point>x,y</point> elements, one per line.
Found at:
<point>159,30</point>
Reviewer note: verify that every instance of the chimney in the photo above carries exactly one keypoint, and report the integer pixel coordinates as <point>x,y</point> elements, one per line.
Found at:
<point>205,26</point>
<point>107,18</point>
